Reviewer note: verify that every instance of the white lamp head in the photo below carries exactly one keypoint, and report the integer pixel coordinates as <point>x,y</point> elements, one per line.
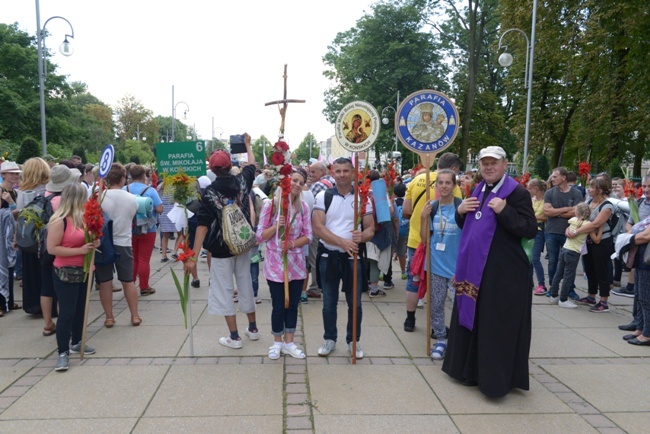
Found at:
<point>66,48</point>
<point>384,121</point>
<point>505,59</point>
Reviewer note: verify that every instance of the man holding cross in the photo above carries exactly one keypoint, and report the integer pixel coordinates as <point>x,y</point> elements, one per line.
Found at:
<point>333,220</point>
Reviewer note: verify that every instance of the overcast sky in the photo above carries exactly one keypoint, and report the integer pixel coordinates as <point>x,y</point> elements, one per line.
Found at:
<point>224,58</point>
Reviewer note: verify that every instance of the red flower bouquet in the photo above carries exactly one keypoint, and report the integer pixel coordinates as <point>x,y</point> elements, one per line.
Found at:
<point>93,225</point>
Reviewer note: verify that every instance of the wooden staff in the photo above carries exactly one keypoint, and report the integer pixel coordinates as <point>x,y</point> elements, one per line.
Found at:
<point>89,286</point>
<point>286,255</point>
<point>355,260</point>
<point>427,161</point>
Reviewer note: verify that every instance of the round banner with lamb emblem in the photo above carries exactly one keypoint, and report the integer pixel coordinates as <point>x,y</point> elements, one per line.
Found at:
<point>357,126</point>
<point>427,121</point>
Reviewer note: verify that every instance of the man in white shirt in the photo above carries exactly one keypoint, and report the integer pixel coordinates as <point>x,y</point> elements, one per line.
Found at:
<point>121,207</point>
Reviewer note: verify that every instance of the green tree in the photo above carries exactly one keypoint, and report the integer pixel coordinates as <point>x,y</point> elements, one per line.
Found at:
<point>131,115</point>
<point>541,167</point>
<point>134,149</point>
<point>388,50</point>
<point>28,149</point>
<point>303,151</point>
<point>259,147</point>
<point>81,152</point>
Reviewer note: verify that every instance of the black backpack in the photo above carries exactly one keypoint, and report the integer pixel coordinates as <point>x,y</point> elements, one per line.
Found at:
<point>31,229</point>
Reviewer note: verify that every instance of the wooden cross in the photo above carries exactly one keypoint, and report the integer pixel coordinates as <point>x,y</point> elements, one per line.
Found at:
<point>284,101</point>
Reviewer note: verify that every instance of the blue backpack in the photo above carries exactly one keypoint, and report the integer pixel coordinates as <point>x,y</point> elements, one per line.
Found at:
<point>403,222</point>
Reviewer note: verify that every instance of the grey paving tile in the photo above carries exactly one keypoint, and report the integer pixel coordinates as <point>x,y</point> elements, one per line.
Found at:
<point>341,397</point>
<point>633,423</point>
<point>191,391</point>
<point>522,423</point>
<point>142,341</point>
<point>72,425</point>
<point>104,390</point>
<point>10,374</point>
<point>380,423</point>
<point>565,343</point>
<point>609,388</point>
<point>459,399</point>
<point>209,425</point>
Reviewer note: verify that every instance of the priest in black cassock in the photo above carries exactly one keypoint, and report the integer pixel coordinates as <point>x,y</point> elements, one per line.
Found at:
<point>489,338</point>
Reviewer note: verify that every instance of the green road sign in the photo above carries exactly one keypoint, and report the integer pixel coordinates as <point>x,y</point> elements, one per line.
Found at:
<point>189,156</point>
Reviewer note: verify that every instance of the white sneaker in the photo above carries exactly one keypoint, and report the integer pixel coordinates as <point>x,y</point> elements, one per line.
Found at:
<point>421,303</point>
<point>253,336</point>
<point>359,350</point>
<point>567,304</point>
<point>554,300</point>
<point>327,347</point>
<point>227,342</point>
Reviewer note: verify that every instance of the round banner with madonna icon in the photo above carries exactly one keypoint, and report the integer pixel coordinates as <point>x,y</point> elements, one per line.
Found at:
<point>427,121</point>
<point>357,126</point>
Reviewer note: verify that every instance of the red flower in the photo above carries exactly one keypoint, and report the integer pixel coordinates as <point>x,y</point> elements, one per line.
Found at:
<point>468,190</point>
<point>277,158</point>
<point>286,169</point>
<point>584,168</point>
<point>93,219</point>
<point>281,146</point>
<point>524,179</point>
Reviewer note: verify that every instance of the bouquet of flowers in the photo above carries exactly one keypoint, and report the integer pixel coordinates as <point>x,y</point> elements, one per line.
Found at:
<point>281,160</point>
<point>583,171</point>
<point>524,179</point>
<point>390,178</point>
<point>632,194</point>
<point>364,193</point>
<point>185,254</point>
<point>93,225</point>
<point>182,188</point>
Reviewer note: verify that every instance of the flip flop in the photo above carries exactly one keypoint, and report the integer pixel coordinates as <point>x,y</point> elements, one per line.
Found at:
<point>15,306</point>
<point>49,331</point>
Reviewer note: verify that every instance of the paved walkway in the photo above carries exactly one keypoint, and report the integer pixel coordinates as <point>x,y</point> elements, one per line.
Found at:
<point>584,377</point>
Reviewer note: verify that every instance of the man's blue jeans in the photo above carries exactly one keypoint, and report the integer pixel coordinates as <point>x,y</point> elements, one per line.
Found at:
<point>332,273</point>
<point>554,243</point>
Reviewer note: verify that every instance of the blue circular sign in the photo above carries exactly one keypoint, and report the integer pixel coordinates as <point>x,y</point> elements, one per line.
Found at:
<point>106,161</point>
<point>427,121</point>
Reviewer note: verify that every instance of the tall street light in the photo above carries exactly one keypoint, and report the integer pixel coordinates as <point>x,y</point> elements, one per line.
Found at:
<point>385,119</point>
<point>505,60</point>
<point>65,48</point>
<point>187,108</point>
<point>137,134</point>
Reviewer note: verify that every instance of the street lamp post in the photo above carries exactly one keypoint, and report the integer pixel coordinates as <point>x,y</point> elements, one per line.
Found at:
<point>65,48</point>
<point>166,137</point>
<point>385,120</point>
<point>138,133</point>
<point>187,108</point>
<point>505,60</point>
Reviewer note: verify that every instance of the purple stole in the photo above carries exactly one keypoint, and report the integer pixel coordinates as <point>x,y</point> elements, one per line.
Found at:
<point>475,241</point>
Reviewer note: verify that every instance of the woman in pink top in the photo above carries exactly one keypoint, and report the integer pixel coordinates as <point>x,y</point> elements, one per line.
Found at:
<point>66,242</point>
<point>283,321</point>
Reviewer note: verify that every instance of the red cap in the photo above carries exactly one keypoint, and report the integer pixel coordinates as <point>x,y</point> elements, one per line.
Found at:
<point>220,160</point>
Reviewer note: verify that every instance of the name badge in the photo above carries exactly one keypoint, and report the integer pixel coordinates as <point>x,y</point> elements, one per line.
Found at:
<point>440,247</point>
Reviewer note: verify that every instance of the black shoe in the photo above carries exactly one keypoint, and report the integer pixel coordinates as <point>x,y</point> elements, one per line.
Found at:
<point>627,327</point>
<point>624,292</point>
<point>433,336</point>
<point>409,324</point>
<point>196,283</point>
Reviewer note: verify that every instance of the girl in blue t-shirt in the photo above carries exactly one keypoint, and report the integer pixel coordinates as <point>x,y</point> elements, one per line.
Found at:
<point>445,239</point>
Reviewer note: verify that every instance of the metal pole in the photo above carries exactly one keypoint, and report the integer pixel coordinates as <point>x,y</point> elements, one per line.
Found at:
<point>41,79</point>
<point>173,113</point>
<point>530,87</point>
<point>395,123</point>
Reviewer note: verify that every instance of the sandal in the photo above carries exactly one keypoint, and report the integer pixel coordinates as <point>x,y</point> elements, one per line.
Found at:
<point>15,306</point>
<point>109,322</point>
<point>439,350</point>
<point>147,291</point>
<point>49,331</point>
<point>293,350</point>
<point>274,352</point>
<point>136,321</point>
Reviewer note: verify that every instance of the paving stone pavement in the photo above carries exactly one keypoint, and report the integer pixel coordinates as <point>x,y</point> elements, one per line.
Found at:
<point>584,377</point>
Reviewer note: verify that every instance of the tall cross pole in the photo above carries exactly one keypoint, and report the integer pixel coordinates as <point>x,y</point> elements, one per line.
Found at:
<point>284,102</point>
